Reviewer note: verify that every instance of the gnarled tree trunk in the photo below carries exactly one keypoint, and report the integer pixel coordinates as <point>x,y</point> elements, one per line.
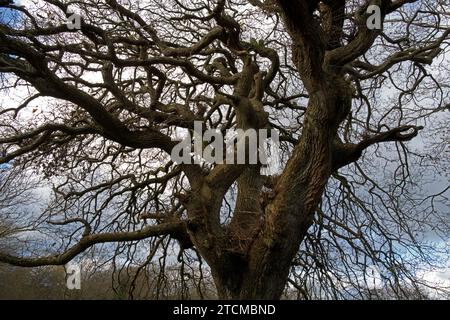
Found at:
<point>252,257</point>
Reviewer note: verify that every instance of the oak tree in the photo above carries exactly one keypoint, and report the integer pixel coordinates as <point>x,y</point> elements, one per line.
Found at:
<point>105,104</point>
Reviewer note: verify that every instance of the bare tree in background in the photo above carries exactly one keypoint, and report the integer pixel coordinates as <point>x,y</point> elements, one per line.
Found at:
<point>16,191</point>
<point>108,102</point>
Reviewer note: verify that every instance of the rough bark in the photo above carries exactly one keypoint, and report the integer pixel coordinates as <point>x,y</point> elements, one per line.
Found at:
<point>257,264</point>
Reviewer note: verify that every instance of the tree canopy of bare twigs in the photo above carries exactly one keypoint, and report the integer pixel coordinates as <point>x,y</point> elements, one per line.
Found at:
<point>362,115</point>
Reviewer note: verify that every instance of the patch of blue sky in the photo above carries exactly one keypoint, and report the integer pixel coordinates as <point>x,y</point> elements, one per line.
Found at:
<point>4,166</point>
<point>9,16</point>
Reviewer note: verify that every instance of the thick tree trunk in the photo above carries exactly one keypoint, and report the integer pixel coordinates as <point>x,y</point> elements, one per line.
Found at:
<point>252,257</point>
